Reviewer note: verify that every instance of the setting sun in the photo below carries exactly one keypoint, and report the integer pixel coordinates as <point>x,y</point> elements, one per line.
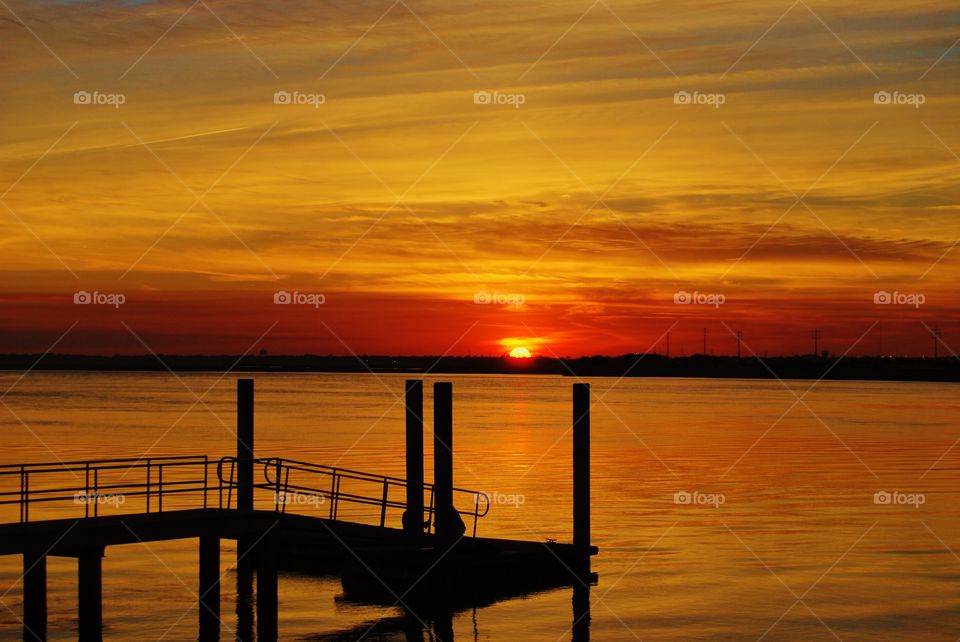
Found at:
<point>520,353</point>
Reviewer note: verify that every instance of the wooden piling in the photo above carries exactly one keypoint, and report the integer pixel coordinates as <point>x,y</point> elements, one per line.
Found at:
<point>34,596</point>
<point>209,593</point>
<point>90,595</point>
<point>245,562</point>
<point>413,516</point>
<point>447,523</point>
<point>245,444</point>
<point>581,475</point>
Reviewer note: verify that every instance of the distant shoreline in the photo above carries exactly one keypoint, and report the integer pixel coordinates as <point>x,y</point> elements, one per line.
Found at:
<point>945,369</point>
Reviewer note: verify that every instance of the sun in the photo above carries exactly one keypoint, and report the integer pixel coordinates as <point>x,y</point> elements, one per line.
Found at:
<point>520,353</point>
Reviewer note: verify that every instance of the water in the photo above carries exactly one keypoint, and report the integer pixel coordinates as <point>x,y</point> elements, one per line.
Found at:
<point>798,548</point>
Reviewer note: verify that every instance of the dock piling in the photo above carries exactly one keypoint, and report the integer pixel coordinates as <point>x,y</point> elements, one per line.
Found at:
<point>245,444</point>
<point>90,594</point>
<point>448,525</point>
<point>34,596</point>
<point>209,593</point>
<point>244,480</point>
<point>581,475</point>
<point>413,515</point>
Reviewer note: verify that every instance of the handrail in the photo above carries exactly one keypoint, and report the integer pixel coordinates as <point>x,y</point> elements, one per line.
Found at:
<point>143,477</point>
<point>98,481</point>
<point>277,473</point>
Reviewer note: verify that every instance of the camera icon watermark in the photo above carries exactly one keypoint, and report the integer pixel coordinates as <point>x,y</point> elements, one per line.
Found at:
<point>883,297</point>
<point>682,297</point>
<point>99,98</point>
<point>896,498</point>
<point>899,98</point>
<point>298,98</point>
<point>696,498</point>
<point>514,100</point>
<point>484,297</point>
<point>83,297</point>
<point>699,98</point>
<point>282,297</point>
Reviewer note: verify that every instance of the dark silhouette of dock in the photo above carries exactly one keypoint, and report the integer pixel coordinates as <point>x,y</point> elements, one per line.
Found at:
<point>433,563</point>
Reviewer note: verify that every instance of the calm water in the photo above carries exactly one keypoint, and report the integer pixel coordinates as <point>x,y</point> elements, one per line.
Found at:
<point>798,548</point>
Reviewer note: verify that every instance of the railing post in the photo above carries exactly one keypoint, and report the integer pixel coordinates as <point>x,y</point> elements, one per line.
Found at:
<point>383,504</point>
<point>581,476</point>
<point>413,516</point>
<point>448,524</point>
<point>148,484</point>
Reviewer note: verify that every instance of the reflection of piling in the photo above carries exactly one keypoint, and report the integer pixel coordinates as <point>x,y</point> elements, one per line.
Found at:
<point>581,476</point>
<point>447,523</point>
<point>209,587</point>
<point>413,516</point>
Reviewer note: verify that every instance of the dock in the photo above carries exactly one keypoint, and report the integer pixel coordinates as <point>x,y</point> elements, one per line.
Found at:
<point>419,551</point>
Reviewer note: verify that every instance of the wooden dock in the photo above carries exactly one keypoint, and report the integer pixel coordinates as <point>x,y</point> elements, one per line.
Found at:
<point>434,561</point>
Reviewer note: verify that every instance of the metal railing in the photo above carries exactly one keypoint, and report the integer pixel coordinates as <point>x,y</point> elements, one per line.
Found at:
<point>68,488</point>
<point>300,482</point>
<point>89,485</point>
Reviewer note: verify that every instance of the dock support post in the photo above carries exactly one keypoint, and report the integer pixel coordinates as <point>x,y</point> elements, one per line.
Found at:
<point>266,590</point>
<point>448,525</point>
<point>245,563</point>
<point>90,594</point>
<point>209,594</point>
<point>34,596</point>
<point>413,516</point>
<point>245,444</point>
<point>581,476</point>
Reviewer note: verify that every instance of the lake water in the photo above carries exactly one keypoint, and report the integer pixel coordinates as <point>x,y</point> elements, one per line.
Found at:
<point>782,536</point>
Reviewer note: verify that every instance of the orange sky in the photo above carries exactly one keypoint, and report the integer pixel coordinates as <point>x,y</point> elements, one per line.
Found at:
<point>585,198</point>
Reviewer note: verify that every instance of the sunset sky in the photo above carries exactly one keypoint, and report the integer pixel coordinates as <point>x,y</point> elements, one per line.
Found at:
<point>585,196</point>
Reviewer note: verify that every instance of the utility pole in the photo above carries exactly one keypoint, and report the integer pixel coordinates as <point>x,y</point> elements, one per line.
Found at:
<point>816,342</point>
<point>739,341</point>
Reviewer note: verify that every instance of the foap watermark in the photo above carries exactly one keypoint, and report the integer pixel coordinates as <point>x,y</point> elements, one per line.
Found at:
<point>298,98</point>
<point>99,98</point>
<point>497,498</point>
<point>484,297</point>
<point>299,298</point>
<point>696,498</point>
<point>286,498</point>
<point>699,98</point>
<point>683,297</point>
<point>101,499</point>
<point>884,297</point>
<point>83,297</point>
<point>896,498</point>
<point>499,98</point>
<point>899,98</point>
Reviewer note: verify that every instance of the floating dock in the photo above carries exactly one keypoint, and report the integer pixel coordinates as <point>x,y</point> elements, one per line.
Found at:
<point>433,561</point>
